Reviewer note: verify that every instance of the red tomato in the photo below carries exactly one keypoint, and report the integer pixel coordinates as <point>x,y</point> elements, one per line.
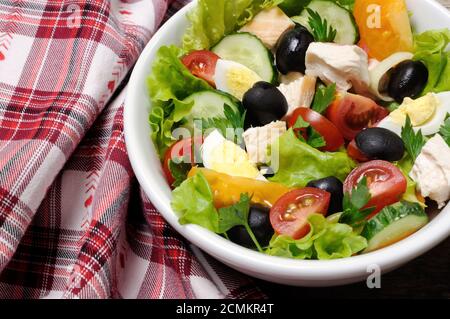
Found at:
<point>352,113</point>
<point>354,152</point>
<point>385,181</point>
<point>289,215</point>
<point>202,64</point>
<point>181,150</point>
<point>321,124</point>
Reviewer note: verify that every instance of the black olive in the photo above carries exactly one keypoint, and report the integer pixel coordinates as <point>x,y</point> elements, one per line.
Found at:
<point>333,186</point>
<point>407,79</point>
<point>292,49</point>
<point>259,222</point>
<point>380,143</point>
<point>264,104</point>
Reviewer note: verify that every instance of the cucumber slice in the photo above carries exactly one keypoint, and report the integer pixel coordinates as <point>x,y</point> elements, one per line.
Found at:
<point>393,224</point>
<point>339,18</point>
<point>247,49</point>
<point>208,104</point>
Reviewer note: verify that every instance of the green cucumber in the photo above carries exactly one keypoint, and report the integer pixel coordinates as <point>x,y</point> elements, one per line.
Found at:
<point>338,17</point>
<point>248,50</point>
<point>208,104</point>
<point>394,223</point>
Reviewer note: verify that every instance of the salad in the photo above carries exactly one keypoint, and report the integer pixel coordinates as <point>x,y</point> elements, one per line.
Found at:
<point>307,129</point>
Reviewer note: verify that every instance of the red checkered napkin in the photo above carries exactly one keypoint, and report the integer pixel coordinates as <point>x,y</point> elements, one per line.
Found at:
<point>71,212</point>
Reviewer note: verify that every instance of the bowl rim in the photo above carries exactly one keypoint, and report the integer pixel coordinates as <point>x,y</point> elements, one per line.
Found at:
<point>236,256</point>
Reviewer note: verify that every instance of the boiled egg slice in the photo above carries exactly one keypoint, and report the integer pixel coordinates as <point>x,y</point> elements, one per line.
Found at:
<point>223,156</point>
<point>234,78</point>
<point>427,114</point>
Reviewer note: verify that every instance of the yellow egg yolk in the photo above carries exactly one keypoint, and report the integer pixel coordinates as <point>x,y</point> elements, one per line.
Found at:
<point>240,81</point>
<point>420,111</point>
<point>228,158</point>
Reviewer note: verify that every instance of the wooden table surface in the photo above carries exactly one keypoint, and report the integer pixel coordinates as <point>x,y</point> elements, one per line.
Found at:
<point>425,277</point>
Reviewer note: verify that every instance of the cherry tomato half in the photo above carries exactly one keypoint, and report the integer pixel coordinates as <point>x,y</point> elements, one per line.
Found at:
<point>202,64</point>
<point>289,215</point>
<point>354,152</point>
<point>182,150</point>
<point>385,181</point>
<point>352,113</point>
<point>322,125</point>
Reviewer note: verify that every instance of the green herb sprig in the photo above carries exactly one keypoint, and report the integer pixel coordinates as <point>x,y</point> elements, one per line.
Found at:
<point>414,142</point>
<point>323,98</point>
<point>321,30</point>
<point>354,213</point>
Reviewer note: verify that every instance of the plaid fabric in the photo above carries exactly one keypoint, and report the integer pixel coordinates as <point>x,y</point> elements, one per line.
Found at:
<point>73,220</point>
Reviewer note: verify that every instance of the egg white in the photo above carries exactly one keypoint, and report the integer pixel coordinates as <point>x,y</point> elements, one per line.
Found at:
<point>430,127</point>
<point>212,141</point>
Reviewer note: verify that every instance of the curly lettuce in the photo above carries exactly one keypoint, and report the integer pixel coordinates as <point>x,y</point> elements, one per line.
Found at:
<point>169,83</point>
<point>326,240</point>
<point>211,20</point>
<point>193,200</point>
<point>431,48</point>
<point>300,163</point>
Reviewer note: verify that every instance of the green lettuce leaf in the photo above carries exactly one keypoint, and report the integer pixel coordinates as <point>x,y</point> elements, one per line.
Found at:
<point>300,163</point>
<point>211,20</point>
<point>193,200</point>
<point>326,240</point>
<point>430,48</point>
<point>169,83</point>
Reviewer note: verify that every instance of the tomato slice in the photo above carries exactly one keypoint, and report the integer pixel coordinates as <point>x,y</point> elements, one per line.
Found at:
<point>202,64</point>
<point>289,215</point>
<point>352,113</point>
<point>183,150</point>
<point>321,124</point>
<point>354,152</point>
<point>385,181</point>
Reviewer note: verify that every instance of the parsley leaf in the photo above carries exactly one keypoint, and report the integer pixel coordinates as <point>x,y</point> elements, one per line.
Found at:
<point>179,171</point>
<point>233,119</point>
<point>323,98</point>
<point>322,32</point>
<point>237,215</point>
<point>445,130</point>
<point>314,138</point>
<point>354,214</point>
<point>300,123</point>
<point>413,141</point>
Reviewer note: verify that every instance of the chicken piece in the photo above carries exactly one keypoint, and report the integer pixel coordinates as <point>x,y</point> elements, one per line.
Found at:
<point>345,65</point>
<point>431,170</point>
<point>269,25</point>
<point>298,90</point>
<point>257,139</point>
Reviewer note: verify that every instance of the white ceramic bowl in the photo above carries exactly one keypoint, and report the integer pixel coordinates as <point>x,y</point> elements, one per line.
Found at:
<point>427,14</point>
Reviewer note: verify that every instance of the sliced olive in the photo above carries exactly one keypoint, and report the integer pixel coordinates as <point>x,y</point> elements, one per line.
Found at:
<point>407,79</point>
<point>264,104</point>
<point>380,143</point>
<point>292,49</point>
<point>259,222</point>
<point>333,186</point>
